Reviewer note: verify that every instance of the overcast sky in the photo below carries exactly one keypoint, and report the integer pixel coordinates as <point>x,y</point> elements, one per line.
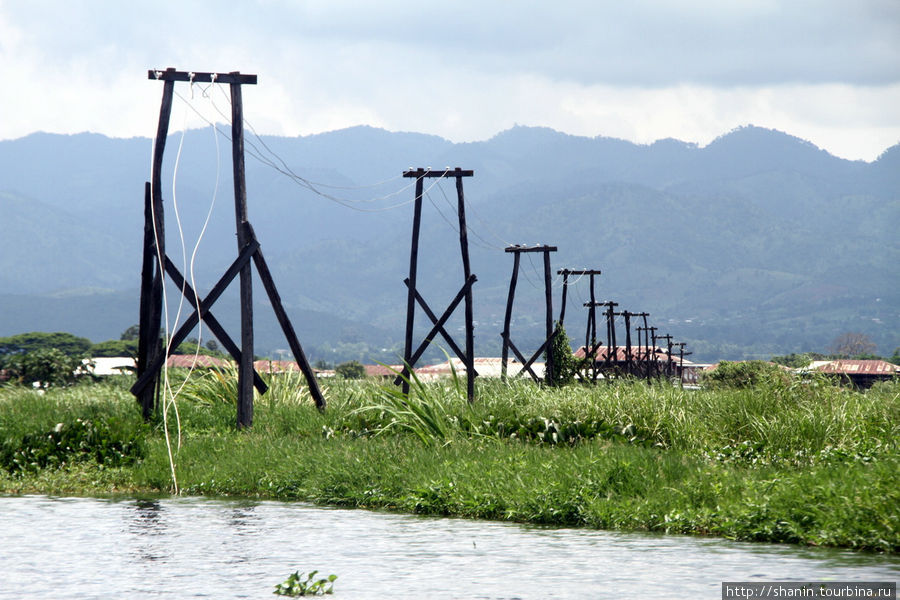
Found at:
<point>827,71</point>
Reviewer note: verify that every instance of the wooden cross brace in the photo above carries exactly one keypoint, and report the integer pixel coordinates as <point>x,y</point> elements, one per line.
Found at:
<point>202,310</point>
<point>438,328</point>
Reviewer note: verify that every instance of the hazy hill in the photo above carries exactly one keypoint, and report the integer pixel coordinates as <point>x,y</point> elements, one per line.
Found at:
<point>757,244</point>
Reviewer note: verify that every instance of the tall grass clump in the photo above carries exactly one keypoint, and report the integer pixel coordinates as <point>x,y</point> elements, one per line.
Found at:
<point>433,413</point>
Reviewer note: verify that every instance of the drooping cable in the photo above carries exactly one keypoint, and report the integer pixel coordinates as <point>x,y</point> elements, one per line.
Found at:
<point>169,397</point>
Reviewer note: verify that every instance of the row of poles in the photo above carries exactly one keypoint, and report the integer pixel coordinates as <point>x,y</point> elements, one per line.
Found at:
<point>645,359</point>
<point>640,360</point>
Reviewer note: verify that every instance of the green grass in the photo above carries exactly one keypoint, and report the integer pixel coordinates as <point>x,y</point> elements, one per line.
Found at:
<point>792,462</point>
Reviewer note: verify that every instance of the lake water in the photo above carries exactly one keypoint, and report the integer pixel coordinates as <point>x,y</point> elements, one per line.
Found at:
<point>198,548</point>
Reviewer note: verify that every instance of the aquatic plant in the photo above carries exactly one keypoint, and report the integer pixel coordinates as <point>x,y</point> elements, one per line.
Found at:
<point>79,440</point>
<point>295,585</point>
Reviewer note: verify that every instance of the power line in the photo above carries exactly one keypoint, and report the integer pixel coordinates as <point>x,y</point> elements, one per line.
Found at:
<point>285,169</point>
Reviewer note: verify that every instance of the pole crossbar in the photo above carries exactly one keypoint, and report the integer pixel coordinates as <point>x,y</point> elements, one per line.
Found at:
<point>448,172</point>
<point>171,74</point>
<point>579,272</point>
<point>539,248</point>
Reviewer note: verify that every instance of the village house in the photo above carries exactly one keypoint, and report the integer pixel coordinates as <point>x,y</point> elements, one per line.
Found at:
<point>860,373</point>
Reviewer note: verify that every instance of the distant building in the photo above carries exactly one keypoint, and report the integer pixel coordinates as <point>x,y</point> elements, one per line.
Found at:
<point>275,366</point>
<point>383,371</point>
<point>270,366</point>
<point>860,373</point>
<point>485,367</point>
<point>641,361</point>
<point>191,361</point>
<point>110,365</point>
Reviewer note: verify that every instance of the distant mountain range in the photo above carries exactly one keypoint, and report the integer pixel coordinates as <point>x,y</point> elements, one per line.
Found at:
<point>758,244</point>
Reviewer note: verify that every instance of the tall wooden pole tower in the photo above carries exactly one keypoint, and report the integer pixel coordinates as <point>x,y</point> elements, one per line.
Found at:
<point>410,355</point>
<point>156,265</point>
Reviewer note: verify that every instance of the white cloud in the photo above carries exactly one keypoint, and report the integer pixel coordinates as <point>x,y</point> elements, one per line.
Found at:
<point>826,71</point>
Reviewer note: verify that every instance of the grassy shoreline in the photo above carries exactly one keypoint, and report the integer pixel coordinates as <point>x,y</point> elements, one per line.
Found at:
<point>788,462</point>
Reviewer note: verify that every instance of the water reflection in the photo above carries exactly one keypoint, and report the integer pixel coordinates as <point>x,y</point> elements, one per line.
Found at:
<point>244,520</point>
<point>147,526</point>
<point>179,548</point>
<point>147,518</point>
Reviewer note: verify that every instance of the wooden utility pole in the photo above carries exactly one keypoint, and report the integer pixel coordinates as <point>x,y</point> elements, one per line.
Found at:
<point>245,366</point>
<point>156,265</point>
<point>612,346</point>
<point>590,340</point>
<point>652,363</point>
<point>548,300</point>
<point>410,356</point>
<point>629,366</point>
<point>668,339</point>
<point>638,356</point>
<point>681,355</point>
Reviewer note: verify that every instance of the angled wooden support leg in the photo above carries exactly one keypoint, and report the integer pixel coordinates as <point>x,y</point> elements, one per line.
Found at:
<point>212,322</point>
<point>265,275</point>
<point>537,353</point>
<point>526,364</point>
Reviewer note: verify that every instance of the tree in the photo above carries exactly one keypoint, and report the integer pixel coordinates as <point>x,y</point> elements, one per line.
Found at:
<point>851,344</point>
<point>192,346</point>
<point>114,348</point>
<point>130,334</point>
<point>350,370</point>
<point>746,374</point>
<point>68,344</point>
<point>561,367</point>
<point>45,365</point>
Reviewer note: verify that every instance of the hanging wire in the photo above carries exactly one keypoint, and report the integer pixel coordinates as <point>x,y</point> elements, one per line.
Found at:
<point>479,241</point>
<point>455,228</point>
<point>160,266</point>
<point>471,210</point>
<point>525,272</point>
<point>169,399</point>
<point>252,150</point>
<point>286,170</point>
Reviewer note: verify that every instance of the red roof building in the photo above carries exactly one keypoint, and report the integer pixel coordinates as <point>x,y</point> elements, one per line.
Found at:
<point>861,373</point>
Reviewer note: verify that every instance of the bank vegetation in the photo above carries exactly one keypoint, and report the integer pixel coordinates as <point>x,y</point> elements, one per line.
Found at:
<point>800,461</point>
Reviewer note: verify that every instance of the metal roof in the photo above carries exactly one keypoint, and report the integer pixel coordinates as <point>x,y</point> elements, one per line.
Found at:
<point>858,367</point>
<point>637,353</point>
<point>187,361</point>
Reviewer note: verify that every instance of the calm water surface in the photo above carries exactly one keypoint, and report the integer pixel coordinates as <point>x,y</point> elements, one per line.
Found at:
<point>197,548</point>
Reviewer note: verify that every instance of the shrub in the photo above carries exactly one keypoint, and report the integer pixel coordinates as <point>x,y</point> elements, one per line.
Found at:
<point>350,370</point>
<point>747,374</point>
<point>45,366</point>
<point>561,368</point>
<point>80,440</point>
